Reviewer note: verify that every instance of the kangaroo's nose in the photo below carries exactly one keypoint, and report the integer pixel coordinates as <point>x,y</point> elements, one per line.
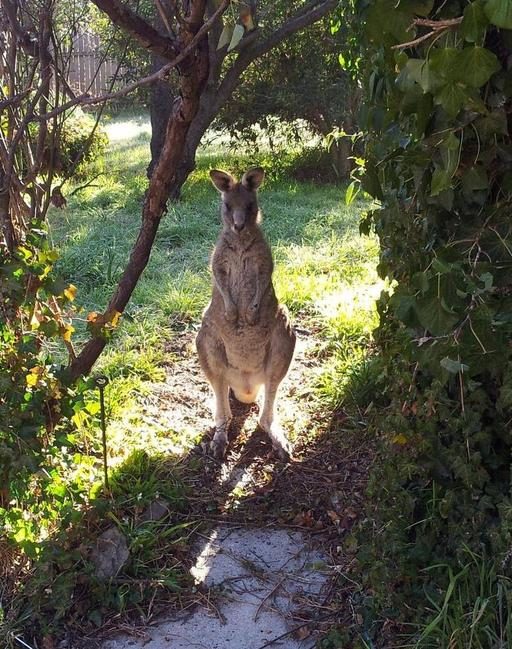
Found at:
<point>239,226</point>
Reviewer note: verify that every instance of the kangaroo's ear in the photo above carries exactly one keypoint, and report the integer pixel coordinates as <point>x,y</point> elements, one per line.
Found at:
<point>222,180</point>
<point>253,178</point>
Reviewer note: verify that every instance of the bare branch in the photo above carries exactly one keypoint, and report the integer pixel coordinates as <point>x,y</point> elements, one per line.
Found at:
<point>437,27</point>
<point>16,99</point>
<point>310,13</point>
<point>29,44</point>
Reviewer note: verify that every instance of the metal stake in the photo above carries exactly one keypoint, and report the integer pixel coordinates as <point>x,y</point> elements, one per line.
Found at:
<point>101,382</point>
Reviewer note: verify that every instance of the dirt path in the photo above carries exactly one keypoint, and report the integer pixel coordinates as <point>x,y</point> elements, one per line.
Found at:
<point>271,561</point>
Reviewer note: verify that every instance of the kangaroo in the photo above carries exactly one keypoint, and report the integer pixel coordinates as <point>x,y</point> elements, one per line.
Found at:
<point>246,339</point>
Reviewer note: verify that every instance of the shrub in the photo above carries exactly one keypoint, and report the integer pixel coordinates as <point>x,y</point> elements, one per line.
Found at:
<point>439,126</point>
<point>81,146</point>
<point>315,164</point>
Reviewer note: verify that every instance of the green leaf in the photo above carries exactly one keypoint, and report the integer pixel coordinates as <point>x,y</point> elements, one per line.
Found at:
<point>452,98</point>
<point>238,34</point>
<point>488,280</point>
<point>505,398</point>
<point>444,62</point>
<point>352,192</point>
<point>371,183</point>
<point>492,124</point>
<point>454,367</point>
<point>475,179</point>
<point>474,23</point>
<point>421,7</point>
<point>479,64</point>
<point>380,28</point>
<point>441,180</point>
<point>449,150</point>
<point>499,13</point>
<point>445,199</point>
<point>435,316</point>
<point>422,73</point>
<point>225,36</point>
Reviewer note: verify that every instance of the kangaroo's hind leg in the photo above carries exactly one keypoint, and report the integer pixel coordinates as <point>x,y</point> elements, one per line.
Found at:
<point>280,354</point>
<point>212,358</point>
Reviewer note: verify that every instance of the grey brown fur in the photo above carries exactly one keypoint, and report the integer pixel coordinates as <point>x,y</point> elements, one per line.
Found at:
<point>246,340</point>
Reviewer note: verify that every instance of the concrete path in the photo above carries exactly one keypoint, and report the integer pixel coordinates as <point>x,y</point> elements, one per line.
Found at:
<point>260,580</point>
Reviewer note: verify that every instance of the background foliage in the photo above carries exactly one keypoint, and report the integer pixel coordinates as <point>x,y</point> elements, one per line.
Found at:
<point>438,163</point>
<point>317,98</point>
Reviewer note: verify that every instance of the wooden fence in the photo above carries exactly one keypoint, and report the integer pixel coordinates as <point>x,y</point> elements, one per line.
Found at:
<point>89,70</point>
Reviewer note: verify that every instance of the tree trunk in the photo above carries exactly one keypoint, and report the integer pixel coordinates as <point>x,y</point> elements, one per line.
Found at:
<point>341,152</point>
<point>160,109</point>
<point>5,217</point>
<point>161,100</point>
<point>193,78</point>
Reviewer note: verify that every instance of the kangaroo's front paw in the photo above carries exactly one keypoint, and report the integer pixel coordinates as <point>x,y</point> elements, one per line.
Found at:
<point>231,312</point>
<point>252,315</point>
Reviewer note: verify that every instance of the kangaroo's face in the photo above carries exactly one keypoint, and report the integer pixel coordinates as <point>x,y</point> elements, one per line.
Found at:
<point>239,206</point>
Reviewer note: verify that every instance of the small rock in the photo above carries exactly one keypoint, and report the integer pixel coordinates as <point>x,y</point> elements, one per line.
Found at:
<point>155,511</point>
<point>110,553</point>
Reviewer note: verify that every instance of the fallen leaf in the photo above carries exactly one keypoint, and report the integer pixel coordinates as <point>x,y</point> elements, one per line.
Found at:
<point>303,633</point>
<point>333,516</point>
<point>305,519</point>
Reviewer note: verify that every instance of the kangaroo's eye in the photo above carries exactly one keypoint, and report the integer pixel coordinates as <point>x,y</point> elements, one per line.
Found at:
<point>227,206</point>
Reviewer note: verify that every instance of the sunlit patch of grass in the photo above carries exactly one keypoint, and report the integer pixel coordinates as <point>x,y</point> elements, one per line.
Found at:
<point>350,371</point>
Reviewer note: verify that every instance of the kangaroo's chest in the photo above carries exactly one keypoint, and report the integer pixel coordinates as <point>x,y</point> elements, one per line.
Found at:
<point>242,272</point>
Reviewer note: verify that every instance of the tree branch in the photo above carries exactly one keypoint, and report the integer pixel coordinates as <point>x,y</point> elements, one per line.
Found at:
<point>251,48</point>
<point>86,100</point>
<point>29,44</point>
<point>145,34</point>
<point>310,13</point>
<point>437,27</point>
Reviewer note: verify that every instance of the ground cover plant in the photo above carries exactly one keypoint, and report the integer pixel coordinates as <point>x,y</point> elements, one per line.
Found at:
<point>324,273</point>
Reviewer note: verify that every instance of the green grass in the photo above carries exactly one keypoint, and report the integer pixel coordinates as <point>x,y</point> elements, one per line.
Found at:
<point>325,271</point>
<point>473,612</point>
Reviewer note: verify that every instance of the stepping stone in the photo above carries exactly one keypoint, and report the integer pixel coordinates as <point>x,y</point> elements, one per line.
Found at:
<point>259,578</point>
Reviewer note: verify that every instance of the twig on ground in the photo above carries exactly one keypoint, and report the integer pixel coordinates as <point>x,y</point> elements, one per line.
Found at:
<point>269,643</point>
<point>268,596</point>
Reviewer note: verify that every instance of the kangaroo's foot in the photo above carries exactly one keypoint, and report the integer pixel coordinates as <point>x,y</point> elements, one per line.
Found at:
<point>219,443</point>
<point>278,438</point>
